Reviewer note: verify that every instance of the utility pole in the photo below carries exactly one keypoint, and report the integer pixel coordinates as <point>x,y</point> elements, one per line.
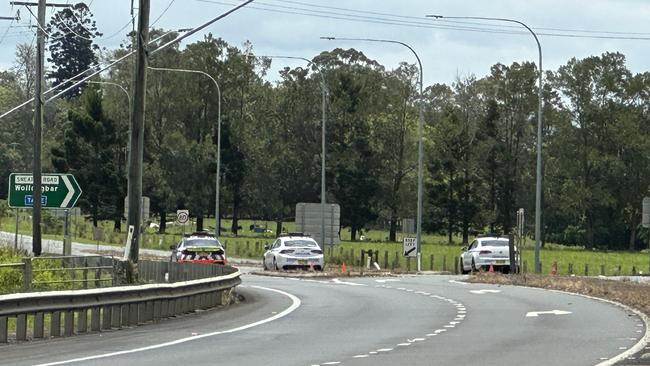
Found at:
<point>38,122</point>
<point>137,132</point>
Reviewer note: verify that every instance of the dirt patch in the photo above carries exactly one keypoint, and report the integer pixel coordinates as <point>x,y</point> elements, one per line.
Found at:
<point>635,295</point>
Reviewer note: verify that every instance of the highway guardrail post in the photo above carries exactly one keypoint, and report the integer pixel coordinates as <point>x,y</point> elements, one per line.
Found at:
<point>21,327</point>
<point>4,329</point>
<point>95,320</point>
<point>55,324</point>
<point>39,325</point>
<point>431,262</point>
<point>586,269</point>
<point>444,263</point>
<point>68,323</point>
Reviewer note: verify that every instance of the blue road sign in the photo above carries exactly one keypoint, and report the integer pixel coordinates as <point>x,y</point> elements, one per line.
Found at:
<point>29,200</point>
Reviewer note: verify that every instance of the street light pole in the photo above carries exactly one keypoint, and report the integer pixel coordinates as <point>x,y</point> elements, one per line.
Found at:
<point>538,185</point>
<point>324,91</point>
<point>420,138</point>
<point>128,96</point>
<point>217,224</point>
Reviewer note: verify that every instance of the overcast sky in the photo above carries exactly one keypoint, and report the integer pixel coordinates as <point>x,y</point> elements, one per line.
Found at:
<point>293,27</point>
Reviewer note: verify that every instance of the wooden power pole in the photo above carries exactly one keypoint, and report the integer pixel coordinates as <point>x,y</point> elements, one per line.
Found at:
<point>38,121</point>
<point>137,132</point>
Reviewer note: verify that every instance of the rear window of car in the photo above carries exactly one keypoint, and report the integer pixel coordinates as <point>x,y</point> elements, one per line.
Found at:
<point>202,243</point>
<point>494,243</point>
<point>299,243</point>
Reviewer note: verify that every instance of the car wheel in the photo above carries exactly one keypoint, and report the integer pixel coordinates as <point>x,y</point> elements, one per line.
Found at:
<point>474,269</point>
<point>275,264</point>
<point>462,268</point>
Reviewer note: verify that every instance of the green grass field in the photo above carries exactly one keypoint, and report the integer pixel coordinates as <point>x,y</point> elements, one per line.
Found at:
<point>437,255</point>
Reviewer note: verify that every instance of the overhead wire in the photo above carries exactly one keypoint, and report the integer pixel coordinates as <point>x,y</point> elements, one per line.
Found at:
<point>479,27</point>
<point>4,35</point>
<point>453,21</point>
<point>161,14</point>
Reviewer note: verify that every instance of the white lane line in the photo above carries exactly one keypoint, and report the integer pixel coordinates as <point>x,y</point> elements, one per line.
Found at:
<point>431,334</point>
<point>372,352</point>
<point>439,331</point>
<point>453,323</point>
<point>417,340</point>
<point>449,326</point>
<point>295,303</point>
<point>388,280</point>
<point>403,344</point>
<point>360,356</point>
<point>331,363</point>
<point>384,350</point>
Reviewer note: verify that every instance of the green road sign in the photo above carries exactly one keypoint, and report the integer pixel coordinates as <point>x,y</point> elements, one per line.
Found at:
<point>58,190</point>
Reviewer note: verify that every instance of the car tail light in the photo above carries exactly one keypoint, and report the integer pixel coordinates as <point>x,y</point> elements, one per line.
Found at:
<point>286,251</point>
<point>484,252</point>
<point>317,251</point>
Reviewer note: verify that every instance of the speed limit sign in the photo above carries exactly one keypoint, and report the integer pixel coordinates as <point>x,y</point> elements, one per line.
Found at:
<point>182,216</point>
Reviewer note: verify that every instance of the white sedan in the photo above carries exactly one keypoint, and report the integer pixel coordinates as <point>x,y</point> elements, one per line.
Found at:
<point>485,252</point>
<point>293,250</point>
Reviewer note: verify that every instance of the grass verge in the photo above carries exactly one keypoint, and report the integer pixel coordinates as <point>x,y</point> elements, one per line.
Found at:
<point>633,294</point>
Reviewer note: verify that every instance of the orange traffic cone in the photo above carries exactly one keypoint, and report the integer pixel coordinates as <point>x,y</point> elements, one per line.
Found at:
<point>344,268</point>
<point>491,269</point>
<point>554,268</point>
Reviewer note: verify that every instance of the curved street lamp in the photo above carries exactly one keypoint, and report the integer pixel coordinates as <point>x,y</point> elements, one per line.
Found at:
<point>538,185</point>
<point>128,96</point>
<point>420,138</point>
<point>217,225</point>
<point>324,92</point>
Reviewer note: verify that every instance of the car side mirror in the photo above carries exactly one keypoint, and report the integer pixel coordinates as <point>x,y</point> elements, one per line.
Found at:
<point>463,249</point>
<point>266,247</point>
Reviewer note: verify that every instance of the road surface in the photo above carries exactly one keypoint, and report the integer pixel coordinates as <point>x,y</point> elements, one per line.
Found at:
<point>410,320</point>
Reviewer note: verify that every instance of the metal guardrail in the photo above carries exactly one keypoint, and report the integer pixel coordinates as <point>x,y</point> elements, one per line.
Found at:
<point>64,313</point>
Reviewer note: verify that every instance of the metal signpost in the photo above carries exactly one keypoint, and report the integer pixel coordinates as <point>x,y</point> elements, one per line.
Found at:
<point>645,221</point>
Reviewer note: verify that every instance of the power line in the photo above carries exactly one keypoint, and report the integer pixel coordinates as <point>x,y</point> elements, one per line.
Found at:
<point>161,14</point>
<point>456,21</point>
<point>482,28</point>
<point>4,35</point>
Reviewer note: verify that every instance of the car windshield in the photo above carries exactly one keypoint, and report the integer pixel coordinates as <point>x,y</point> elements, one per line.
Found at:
<point>202,243</point>
<point>495,243</point>
<point>299,243</point>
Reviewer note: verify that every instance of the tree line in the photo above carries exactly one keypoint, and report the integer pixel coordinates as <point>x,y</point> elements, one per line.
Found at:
<point>480,139</point>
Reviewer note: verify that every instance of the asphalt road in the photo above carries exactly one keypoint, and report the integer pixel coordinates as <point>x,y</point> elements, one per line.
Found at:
<point>423,320</point>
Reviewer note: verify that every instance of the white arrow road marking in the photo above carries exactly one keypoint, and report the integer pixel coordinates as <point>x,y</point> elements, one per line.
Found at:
<point>388,280</point>
<point>71,192</point>
<point>339,282</point>
<point>483,292</point>
<point>534,314</point>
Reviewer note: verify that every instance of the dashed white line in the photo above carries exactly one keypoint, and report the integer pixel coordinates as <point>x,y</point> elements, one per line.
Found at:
<point>360,356</point>
<point>384,350</point>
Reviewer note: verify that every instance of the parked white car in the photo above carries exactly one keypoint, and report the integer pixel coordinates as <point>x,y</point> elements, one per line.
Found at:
<point>293,250</point>
<point>485,252</point>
